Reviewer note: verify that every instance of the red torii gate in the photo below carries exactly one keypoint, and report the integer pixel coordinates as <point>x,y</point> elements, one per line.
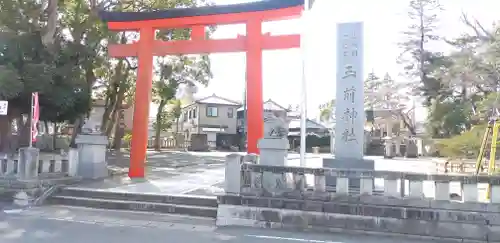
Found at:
<point>253,43</point>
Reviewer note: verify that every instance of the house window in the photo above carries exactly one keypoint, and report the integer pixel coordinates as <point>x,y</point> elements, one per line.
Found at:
<point>195,110</point>
<point>212,111</point>
<point>190,114</point>
<point>230,113</point>
<point>185,116</point>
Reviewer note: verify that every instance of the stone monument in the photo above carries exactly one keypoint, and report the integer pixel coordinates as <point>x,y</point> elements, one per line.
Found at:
<point>273,148</point>
<point>92,144</point>
<point>349,112</point>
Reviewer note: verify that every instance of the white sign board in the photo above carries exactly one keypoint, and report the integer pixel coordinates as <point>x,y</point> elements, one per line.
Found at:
<point>4,106</point>
<point>349,112</point>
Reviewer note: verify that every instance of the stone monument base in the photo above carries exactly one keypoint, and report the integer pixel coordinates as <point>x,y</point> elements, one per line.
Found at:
<point>92,156</point>
<point>346,163</point>
<point>273,151</point>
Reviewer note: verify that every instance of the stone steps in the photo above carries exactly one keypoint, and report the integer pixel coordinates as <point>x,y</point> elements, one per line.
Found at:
<point>199,206</point>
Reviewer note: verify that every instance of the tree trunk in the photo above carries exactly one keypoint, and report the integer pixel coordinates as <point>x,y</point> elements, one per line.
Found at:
<point>23,131</point>
<point>158,128</point>
<point>51,27</point>
<point>9,141</point>
<point>119,132</point>
<point>54,137</point>
<point>119,78</point>
<point>108,106</point>
<point>114,118</point>
<point>109,110</point>
<point>176,131</point>
<point>77,128</point>
<point>5,133</point>
<point>422,73</point>
<point>111,116</point>
<point>408,123</point>
<point>46,127</point>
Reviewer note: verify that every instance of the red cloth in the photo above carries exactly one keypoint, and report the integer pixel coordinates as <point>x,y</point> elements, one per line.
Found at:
<point>35,115</point>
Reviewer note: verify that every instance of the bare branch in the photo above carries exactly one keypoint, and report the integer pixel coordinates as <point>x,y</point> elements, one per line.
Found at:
<point>129,64</point>
<point>481,33</point>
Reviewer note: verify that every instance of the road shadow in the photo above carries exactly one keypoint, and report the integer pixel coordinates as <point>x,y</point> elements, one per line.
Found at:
<point>164,159</point>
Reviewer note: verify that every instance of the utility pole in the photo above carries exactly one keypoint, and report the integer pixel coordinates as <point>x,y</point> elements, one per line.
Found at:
<point>303,104</point>
<point>245,122</point>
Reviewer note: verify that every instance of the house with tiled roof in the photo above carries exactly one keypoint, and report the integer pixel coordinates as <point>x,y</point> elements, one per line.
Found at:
<point>269,107</point>
<point>212,115</point>
<point>312,127</point>
<point>294,126</point>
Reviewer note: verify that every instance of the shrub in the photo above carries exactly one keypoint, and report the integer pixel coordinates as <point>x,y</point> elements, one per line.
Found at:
<point>128,136</point>
<point>465,145</point>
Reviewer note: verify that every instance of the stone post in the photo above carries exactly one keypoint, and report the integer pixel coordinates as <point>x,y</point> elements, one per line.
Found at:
<point>398,146</point>
<point>495,193</point>
<point>232,175</point>
<point>442,190</point>
<point>366,184</point>
<point>416,189</point>
<point>73,162</point>
<point>27,167</point>
<point>388,151</point>
<point>470,191</point>
<point>342,185</point>
<point>391,187</point>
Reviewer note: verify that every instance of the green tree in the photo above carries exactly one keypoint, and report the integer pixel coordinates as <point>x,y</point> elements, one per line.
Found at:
<point>447,118</point>
<point>371,85</point>
<point>163,91</point>
<point>418,61</point>
<point>387,94</point>
<point>465,145</point>
<point>469,77</point>
<point>326,112</point>
<point>36,59</point>
<point>174,72</point>
<point>175,112</point>
<point>59,50</point>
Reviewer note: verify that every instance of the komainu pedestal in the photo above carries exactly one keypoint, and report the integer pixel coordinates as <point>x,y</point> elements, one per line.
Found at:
<point>92,144</point>
<point>274,150</point>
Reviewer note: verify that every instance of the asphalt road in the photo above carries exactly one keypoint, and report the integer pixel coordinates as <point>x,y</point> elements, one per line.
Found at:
<point>77,225</point>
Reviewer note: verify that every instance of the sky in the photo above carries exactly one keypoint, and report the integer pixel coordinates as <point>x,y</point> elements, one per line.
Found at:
<point>384,20</point>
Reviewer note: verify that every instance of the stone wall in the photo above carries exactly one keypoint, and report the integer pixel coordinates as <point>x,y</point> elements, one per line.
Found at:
<point>368,214</point>
<point>296,205</point>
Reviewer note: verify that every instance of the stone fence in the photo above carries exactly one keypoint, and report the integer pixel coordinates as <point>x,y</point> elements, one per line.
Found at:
<point>279,197</point>
<point>45,168</point>
<point>165,143</point>
<point>29,164</point>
